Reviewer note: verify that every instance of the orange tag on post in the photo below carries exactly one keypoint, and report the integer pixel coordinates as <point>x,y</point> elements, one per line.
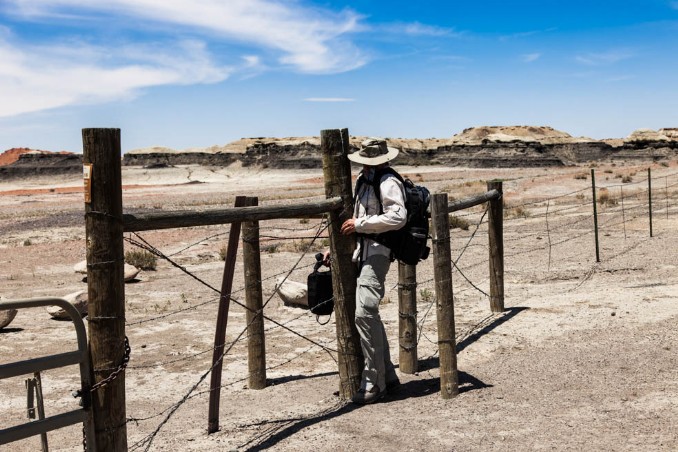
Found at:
<point>87,177</point>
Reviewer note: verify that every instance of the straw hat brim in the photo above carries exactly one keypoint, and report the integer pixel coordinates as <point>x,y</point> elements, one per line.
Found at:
<point>378,160</point>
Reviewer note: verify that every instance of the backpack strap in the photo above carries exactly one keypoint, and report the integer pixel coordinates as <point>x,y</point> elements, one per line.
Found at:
<point>375,183</point>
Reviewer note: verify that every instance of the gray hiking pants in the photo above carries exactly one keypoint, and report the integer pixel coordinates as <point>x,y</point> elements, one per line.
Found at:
<point>369,292</point>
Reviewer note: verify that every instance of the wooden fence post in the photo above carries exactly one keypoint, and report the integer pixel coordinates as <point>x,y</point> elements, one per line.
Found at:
<point>334,145</point>
<point>222,322</point>
<point>105,284</point>
<point>407,322</point>
<point>495,226</point>
<point>442,272</point>
<point>256,341</point>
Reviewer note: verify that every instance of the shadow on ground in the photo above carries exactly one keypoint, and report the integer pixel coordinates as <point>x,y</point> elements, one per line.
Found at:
<point>274,431</point>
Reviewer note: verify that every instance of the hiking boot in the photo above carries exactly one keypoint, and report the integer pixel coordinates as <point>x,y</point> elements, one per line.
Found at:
<point>364,397</point>
<point>393,386</point>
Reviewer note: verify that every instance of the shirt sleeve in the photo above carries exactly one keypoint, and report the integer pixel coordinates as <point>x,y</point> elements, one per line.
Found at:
<point>395,214</point>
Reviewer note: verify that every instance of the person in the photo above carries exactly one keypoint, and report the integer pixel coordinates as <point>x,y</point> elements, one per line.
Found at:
<point>374,259</point>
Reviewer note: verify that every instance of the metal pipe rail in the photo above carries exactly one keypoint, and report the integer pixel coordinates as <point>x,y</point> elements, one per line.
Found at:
<point>29,366</point>
<point>182,218</point>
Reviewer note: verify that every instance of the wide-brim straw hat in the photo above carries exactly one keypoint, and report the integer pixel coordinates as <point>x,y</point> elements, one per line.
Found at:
<point>373,151</point>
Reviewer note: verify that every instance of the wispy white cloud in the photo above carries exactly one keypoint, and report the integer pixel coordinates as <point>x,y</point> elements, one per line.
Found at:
<point>413,29</point>
<point>621,78</point>
<point>329,99</point>
<point>601,59</point>
<point>34,78</point>
<point>530,57</point>
<point>311,40</point>
<point>525,34</point>
<point>419,29</point>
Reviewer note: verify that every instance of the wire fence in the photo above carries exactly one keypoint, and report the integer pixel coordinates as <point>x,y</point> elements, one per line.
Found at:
<point>542,227</point>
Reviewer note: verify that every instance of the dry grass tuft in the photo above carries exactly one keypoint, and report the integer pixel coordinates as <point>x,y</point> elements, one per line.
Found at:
<point>141,259</point>
<point>606,199</point>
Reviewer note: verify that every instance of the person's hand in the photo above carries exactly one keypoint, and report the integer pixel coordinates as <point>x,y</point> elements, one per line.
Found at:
<point>348,227</point>
<point>326,258</point>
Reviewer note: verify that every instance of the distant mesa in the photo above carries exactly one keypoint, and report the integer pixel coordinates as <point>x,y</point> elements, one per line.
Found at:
<point>652,135</point>
<point>12,155</point>
<point>24,162</point>
<point>482,146</point>
<point>507,134</point>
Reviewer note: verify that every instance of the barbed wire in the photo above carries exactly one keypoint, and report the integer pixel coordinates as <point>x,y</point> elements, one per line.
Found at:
<point>610,216</point>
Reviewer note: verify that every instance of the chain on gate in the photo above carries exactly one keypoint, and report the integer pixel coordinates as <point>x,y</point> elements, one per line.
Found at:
<point>113,375</point>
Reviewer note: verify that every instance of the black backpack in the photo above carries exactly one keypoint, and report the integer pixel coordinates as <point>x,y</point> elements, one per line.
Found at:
<point>408,244</point>
<point>320,295</point>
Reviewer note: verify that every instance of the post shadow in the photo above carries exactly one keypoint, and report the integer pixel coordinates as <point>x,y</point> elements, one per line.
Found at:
<point>10,330</point>
<point>289,378</point>
<point>289,427</point>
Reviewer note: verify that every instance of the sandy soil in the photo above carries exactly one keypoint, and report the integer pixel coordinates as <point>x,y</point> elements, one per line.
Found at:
<point>583,358</point>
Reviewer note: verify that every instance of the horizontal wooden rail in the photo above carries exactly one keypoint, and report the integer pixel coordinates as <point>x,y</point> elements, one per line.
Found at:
<point>183,219</point>
<point>472,201</point>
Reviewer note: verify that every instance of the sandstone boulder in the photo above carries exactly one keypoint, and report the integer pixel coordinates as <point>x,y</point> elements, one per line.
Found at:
<point>6,316</point>
<point>130,271</point>
<point>77,299</point>
<point>292,293</point>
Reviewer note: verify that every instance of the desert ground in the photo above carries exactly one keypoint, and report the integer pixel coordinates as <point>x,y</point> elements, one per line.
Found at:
<point>583,358</point>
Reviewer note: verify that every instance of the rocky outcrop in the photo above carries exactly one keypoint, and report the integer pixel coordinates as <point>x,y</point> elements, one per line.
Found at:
<point>38,163</point>
<point>486,146</point>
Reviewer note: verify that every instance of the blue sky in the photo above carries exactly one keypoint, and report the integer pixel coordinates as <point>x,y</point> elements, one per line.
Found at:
<point>193,73</point>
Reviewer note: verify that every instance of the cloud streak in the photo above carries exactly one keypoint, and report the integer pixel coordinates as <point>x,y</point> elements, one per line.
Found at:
<point>310,40</point>
<point>37,78</point>
<point>329,99</point>
<point>530,57</point>
<point>603,59</point>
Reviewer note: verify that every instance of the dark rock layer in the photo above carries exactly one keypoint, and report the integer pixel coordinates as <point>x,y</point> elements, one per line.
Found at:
<point>516,154</point>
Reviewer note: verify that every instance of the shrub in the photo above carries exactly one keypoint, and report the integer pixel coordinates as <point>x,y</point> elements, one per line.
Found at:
<point>581,176</point>
<point>271,248</point>
<point>459,223</point>
<point>516,212</point>
<point>605,199</point>
<point>425,295</point>
<point>304,221</point>
<point>626,179</point>
<point>28,242</point>
<point>142,259</point>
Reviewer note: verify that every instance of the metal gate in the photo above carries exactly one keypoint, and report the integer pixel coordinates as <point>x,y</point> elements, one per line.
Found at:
<point>30,366</point>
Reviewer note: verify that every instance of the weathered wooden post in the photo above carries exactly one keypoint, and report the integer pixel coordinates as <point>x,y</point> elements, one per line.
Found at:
<point>407,313</point>
<point>222,321</point>
<point>334,145</point>
<point>105,284</point>
<point>256,344</point>
<point>495,222</point>
<point>442,272</point>
<point>595,212</point>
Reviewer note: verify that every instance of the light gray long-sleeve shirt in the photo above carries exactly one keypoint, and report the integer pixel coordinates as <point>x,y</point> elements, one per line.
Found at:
<point>368,219</point>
